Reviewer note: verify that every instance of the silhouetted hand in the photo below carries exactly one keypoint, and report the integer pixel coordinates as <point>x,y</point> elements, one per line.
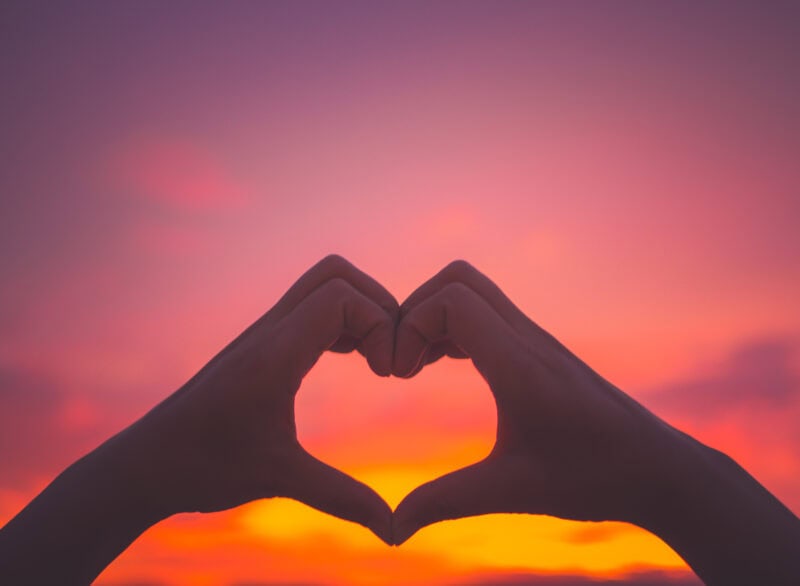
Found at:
<point>568,444</point>
<point>571,445</point>
<point>228,436</point>
<point>225,438</point>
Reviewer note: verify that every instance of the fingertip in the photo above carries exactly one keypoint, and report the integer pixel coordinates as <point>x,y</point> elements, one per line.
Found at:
<point>381,526</point>
<point>409,351</point>
<point>402,527</point>
<point>392,307</point>
<point>463,493</point>
<point>401,372</point>
<point>382,368</point>
<point>415,368</point>
<point>379,349</point>
<point>404,371</point>
<point>402,533</point>
<point>331,491</point>
<point>400,365</point>
<point>378,516</point>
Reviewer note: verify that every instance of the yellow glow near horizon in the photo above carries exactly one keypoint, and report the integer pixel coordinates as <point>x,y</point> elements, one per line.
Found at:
<point>501,541</point>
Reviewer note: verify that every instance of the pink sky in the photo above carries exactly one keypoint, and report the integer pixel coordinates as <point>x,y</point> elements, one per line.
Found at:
<point>627,173</point>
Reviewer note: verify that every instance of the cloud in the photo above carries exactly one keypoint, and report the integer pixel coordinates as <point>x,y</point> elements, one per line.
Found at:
<point>29,428</point>
<point>747,407</point>
<point>136,583</point>
<point>175,240</point>
<point>759,373</point>
<point>649,578</point>
<point>176,174</point>
<point>595,533</point>
<point>43,428</point>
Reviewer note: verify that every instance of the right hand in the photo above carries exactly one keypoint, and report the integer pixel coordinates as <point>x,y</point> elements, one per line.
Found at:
<point>569,444</point>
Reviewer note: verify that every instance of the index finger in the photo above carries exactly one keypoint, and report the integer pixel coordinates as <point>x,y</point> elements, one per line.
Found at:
<point>332,266</point>
<point>330,311</point>
<point>456,314</point>
<point>460,271</point>
<point>329,268</point>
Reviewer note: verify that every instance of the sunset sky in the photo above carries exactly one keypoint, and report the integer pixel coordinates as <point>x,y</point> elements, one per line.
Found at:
<point>627,172</point>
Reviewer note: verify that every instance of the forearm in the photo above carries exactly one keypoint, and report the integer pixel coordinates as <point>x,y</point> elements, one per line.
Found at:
<point>725,525</point>
<point>83,520</point>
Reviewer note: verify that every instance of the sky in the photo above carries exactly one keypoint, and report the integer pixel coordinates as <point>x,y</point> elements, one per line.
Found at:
<point>625,171</point>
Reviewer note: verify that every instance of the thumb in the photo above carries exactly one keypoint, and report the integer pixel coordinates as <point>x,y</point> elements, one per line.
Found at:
<point>331,491</point>
<point>332,311</point>
<point>459,319</point>
<point>470,491</point>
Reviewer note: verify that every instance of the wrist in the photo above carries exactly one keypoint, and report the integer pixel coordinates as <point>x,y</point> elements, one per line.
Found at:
<point>129,468</point>
<point>90,513</point>
<point>677,481</point>
<point>719,519</point>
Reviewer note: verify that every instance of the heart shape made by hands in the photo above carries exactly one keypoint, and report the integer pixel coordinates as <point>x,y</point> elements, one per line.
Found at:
<point>567,444</point>
<point>394,434</point>
<point>563,435</point>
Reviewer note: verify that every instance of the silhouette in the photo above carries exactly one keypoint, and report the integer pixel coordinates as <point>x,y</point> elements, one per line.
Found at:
<point>569,444</point>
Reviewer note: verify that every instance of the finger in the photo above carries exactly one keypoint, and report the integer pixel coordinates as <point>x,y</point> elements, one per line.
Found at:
<point>436,351</point>
<point>460,271</point>
<point>332,311</point>
<point>458,315</point>
<point>332,491</point>
<point>478,489</point>
<point>332,267</point>
<point>345,344</point>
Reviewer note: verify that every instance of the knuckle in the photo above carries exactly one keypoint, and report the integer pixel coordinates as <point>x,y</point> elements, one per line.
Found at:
<point>337,287</point>
<point>452,301</point>
<point>459,269</point>
<point>335,263</point>
<point>455,292</point>
<point>390,304</point>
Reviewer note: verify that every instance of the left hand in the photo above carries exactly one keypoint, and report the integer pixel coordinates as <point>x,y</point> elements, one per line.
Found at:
<point>569,444</point>
<point>228,435</point>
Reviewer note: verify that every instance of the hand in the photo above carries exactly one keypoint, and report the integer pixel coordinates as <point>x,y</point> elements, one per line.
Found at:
<point>225,438</point>
<point>571,445</point>
<point>228,436</point>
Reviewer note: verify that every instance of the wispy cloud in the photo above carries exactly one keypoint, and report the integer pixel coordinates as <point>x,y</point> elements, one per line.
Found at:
<point>44,427</point>
<point>748,407</point>
<point>178,174</point>
<point>31,431</point>
<point>758,373</point>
